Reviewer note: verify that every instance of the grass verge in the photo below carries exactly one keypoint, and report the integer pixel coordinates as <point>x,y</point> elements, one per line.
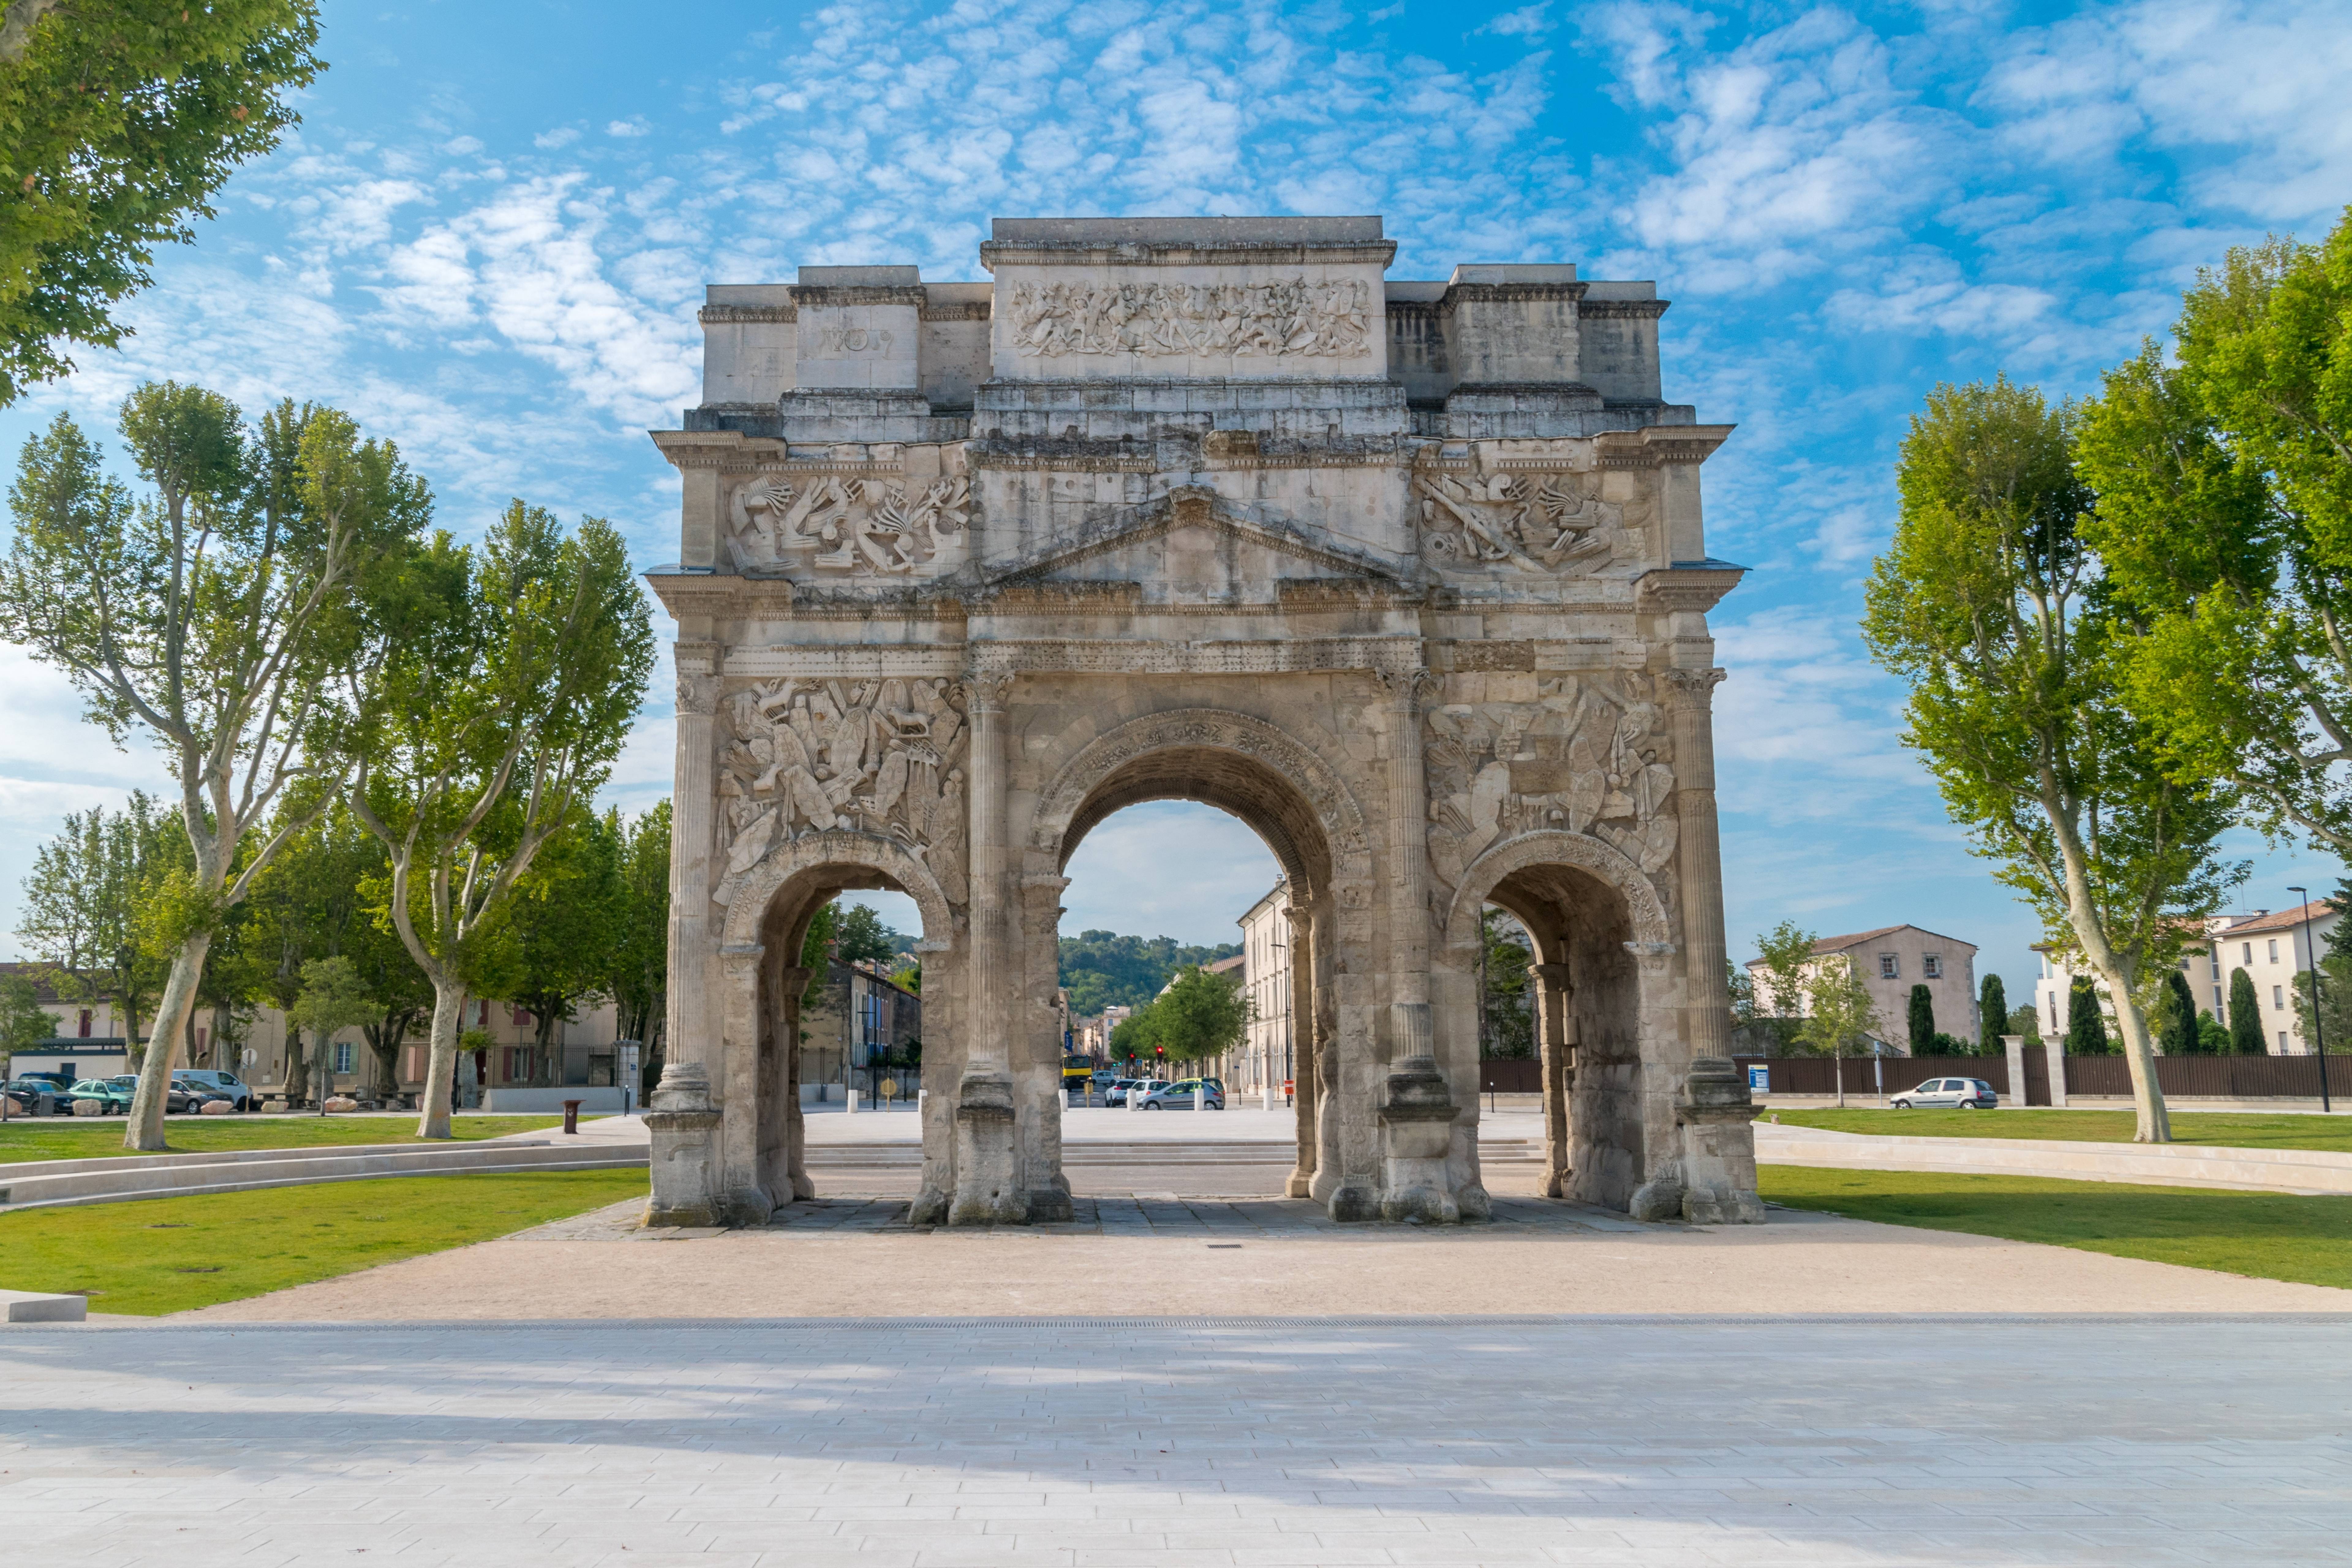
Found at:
<point>2240,1129</point>
<point>58,1138</point>
<point>169,1254</point>
<point>2267,1235</point>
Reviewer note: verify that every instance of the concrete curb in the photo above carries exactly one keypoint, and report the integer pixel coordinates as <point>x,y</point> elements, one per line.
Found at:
<point>53,1183</point>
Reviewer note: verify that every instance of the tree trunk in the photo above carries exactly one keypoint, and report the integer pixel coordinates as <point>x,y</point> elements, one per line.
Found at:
<point>223,1058</point>
<point>546,1070</point>
<point>2153,1122</point>
<point>297,1068</point>
<point>441,1059</point>
<point>145,1131</point>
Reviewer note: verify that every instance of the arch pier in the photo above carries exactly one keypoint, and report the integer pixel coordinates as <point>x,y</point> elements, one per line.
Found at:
<point>1408,576</point>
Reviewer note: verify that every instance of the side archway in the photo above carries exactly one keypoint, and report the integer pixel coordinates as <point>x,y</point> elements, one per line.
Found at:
<point>1605,996</point>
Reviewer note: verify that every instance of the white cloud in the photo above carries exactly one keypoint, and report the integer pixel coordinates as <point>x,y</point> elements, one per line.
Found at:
<point>555,141</point>
<point>634,126</point>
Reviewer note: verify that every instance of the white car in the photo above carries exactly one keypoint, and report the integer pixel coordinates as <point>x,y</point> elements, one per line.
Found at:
<point>1947,1094</point>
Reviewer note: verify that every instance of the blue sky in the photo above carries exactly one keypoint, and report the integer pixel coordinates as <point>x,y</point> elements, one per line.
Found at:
<point>488,238</point>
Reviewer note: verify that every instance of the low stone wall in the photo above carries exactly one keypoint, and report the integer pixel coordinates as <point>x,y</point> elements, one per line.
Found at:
<point>549,1101</point>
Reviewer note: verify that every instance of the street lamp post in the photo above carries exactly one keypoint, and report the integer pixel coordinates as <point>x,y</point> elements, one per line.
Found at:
<point>2318,1040</point>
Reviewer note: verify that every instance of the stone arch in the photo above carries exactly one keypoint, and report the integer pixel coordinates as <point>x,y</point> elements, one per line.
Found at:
<point>1606,1001</point>
<point>1236,762</point>
<point>762,1150</point>
<point>813,854</point>
<point>1644,911</point>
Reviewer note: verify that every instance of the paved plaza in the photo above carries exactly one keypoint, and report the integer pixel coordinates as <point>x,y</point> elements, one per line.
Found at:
<point>1275,1444</point>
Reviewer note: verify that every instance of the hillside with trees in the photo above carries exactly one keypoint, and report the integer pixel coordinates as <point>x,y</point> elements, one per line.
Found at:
<point>1102,969</point>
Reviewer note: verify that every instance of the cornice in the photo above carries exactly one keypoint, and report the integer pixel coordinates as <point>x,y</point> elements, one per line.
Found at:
<point>1632,310</point>
<point>959,310</point>
<point>1687,586</point>
<point>993,253</point>
<point>830,294</point>
<point>715,315</point>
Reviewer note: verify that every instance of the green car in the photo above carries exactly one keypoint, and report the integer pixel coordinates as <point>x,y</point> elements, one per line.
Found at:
<point>114,1097</point>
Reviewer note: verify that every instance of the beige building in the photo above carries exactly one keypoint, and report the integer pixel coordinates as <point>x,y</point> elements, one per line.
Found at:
<point>2271,946</point>
<point>1890,959</point>
<point>1270,1056</point>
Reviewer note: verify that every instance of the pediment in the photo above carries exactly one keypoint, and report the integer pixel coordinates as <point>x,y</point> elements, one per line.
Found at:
<point>1194,546</point>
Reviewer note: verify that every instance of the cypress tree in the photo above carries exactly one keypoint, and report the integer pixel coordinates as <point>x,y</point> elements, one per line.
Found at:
<point>2176,1026</point>
<point>1992,1016</point>
<point>1923,1022</point>
<point>2086,1029</point>
<point>2245,1017</point>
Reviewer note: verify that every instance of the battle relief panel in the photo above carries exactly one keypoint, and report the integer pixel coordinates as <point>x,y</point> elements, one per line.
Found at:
<point>1333,318</point>
<point>885,512</point>
<point>1525,519</point>
<point>881,756</point>
<point>1591,756</point>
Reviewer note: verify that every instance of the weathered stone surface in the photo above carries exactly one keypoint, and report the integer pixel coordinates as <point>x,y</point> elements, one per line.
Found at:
<point>1410,576</point>
<point>218,1108</point>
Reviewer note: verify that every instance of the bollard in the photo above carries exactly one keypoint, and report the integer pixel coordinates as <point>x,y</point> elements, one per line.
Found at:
<point>852,1102</point>
<point>1135,1096</point>
<point>571,1116</point>
<point>1199,1094</point>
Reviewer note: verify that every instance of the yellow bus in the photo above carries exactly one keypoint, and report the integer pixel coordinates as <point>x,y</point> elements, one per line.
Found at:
<point>1077,1069</point>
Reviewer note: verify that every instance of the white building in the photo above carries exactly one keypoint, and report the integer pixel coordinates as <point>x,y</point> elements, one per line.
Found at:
<point>1267,1057</point>
<point>2271,946</point>
<point>1890,959</point>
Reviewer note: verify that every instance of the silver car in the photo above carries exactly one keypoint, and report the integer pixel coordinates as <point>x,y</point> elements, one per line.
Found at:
<point>1947,1094</point>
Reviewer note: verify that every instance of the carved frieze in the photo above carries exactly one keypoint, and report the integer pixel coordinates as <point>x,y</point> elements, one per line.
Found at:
<point>883,756</point>
<point>846,525</point>
<point>1553,522</point>
<point>1589,757</point>
<point>1291,315</point>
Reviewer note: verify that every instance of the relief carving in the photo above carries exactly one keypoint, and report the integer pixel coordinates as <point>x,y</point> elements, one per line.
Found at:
<point>1525,521</point>
<point>870,756</point>
<point>1291,315</point>
<point>1588,758</point>
<point>851,526</point>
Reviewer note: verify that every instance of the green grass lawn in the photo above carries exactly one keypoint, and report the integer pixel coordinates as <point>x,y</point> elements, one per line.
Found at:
<point>76,1138</point>
<point>2266,1235</point>
<point>2243,1130</point>
<point>169,1254</point>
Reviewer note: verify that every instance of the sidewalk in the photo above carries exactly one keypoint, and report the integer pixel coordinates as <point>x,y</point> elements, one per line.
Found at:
<point>2299,1171</point>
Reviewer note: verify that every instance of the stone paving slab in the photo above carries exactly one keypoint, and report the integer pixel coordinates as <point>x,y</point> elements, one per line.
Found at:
<point>2041,1442</point>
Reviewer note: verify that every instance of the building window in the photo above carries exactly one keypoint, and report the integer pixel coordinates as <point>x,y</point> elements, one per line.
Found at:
<point>2054,1009</point>
<point>2278,997</point>
<point>1932,966</point>
<point>85,1023</point>
<point>2273,946</point>
<point>343,1056</point>
<point>2217,1001</point>
<point>2281,1050</point>
<point>517,1064</point>
<point>2245,952</point>
<point>2214,954</point>
<point>1889,967</point>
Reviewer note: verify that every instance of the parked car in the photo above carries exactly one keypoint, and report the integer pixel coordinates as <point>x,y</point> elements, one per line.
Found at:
<point>34,1096</point>
<point>1178,1096</point>
<point>178,1100</point>
<point>111,1098</point>
<point>216,1086</point>
<point>1947,1094</point>
<point>1105,1077</point>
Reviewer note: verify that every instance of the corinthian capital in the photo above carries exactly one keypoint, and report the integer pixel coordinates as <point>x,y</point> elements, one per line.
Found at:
<point>986,689</point>
<point>1691,687</point>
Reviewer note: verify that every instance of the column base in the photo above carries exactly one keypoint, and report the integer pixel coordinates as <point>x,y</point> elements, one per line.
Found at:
<point>1354,1201</point>
<point>746,1207</point>
<point>690,1216</point>
<point>1300,1184</point>
<point>986,1161</point>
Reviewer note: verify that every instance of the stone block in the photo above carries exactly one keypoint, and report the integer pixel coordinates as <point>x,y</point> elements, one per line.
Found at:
<point>39,1307</point>
<point>218,1108</point>
<point>342,1102</point>
<point>89,1108</point>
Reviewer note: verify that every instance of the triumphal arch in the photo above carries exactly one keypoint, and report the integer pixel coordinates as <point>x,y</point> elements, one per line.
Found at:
<point>1408,576</point>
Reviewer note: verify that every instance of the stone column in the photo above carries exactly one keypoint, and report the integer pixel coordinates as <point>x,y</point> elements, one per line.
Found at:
<point>1718,1164</point>
<point>692,1026</point>
<point>792,982</point>
<point>1553,991</point>
<point>2053,1051</point>
<point>1302,1040</point>
<point>988,1188</point>
<point>1699,861</point>
<point>1417,1109</point>
<point>2014,1048</point>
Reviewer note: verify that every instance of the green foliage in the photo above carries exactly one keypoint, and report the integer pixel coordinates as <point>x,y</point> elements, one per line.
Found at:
<point>1102,970</point>
<point>82,912</point>
<point>1839,1015</point>
<point>2176,1017</point>
<point>1943,1045</point>
<point>1989,604</point>
<point>551,946</point>
<point>2086,1024</point>
<point>24,1022</point>
<point>1920,1018</point>
<point>1199,1016</point>
<point>2025,1022</point>
<point>861,937</point>
<point>2246,1035</point>
<point>333,998</point>
<point>118,119</point>
<point>1992,1015</point>
<point>637,972</point>
<point>2212,1039</point>
<point>2224,514</point>
<point>1505,1006</point>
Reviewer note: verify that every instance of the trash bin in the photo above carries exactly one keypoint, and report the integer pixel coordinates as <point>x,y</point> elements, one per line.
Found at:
<point>572,1116</point>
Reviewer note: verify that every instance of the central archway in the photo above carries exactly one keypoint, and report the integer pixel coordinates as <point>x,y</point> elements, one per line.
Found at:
<point>1292,799</point>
